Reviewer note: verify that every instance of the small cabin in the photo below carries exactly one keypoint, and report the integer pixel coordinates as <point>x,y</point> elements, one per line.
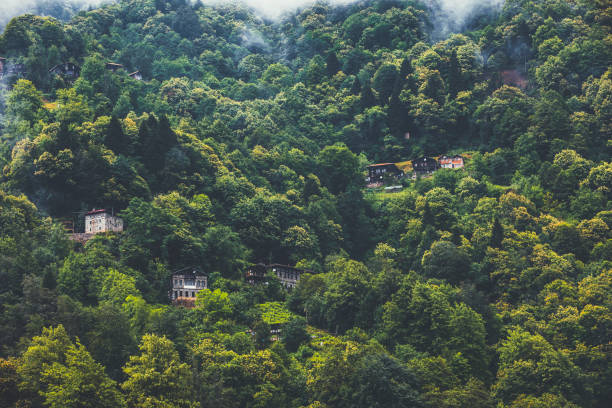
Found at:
<point>111,66</point>
<point>67,70</point>
<point>136,75</point>
<point>288,276</point>
<point>99,221</point>
<point>378,172</point>
<point>186,284</point>
<point>424,166</point>
<point>451,162</point>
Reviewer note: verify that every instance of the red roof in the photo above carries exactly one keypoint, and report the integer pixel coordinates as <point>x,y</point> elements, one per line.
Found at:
<point>96,212</point>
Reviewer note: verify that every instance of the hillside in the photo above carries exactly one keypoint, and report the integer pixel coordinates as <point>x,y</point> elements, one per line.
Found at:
<point>226,139</point>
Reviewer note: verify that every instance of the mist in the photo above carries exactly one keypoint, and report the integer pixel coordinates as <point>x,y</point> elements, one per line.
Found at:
<point>62,9</point>
<point>449,16</point>
<point>452,16</point>
<point>274,9</point>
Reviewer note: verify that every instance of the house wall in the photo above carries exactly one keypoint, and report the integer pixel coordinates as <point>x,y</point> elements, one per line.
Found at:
<point>188,286</point>
<point>288,277</point>
<point>102,222</point>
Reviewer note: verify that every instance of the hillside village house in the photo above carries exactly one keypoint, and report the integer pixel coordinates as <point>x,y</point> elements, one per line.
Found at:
<point>451,162</point>
<point>136,75</point>
<point>186,284</point>
<point>378,172</point>
<point>67,70</point>
<point>111,66</point>
<point>288,276</point>
<point>97,221</point>
<point>424,166</point>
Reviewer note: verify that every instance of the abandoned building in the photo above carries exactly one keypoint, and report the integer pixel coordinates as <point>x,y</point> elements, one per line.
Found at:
<point>111,66</point>
<point>378,172</point>
<point>66,70</point>
<point>97,221</point>
<point>288,276</point>
<point>424,166</point>
<point>186,284</point>
<point>136,75</point>
<point>451,162</point>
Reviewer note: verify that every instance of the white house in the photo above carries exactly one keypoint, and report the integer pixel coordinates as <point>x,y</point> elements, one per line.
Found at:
<point>97,221</point>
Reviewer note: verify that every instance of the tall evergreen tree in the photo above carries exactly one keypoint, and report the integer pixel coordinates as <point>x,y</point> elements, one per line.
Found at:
<point>367,96</point>
<point>115,139</point>
<point>356,87</point>
<point>497,234</point>
<point>333,65</point>
<point>454,75</point>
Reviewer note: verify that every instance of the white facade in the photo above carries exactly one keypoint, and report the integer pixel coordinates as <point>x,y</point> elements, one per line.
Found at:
<point>101,221</point>
<point>188,285</point>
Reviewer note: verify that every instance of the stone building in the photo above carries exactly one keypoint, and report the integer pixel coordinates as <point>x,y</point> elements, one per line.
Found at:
<point>186,284</point>
<point>288,276</point>
<point>97,221</point>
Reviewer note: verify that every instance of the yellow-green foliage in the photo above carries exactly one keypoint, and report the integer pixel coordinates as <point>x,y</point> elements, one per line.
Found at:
<point>274,313</point>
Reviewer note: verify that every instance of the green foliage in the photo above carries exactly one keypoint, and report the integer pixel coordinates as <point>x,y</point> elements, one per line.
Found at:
<point>274,313</point>
<point>157,377</point>
<point>247,141</point>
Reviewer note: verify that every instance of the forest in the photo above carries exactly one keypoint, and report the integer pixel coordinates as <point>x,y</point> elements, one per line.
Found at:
<point>245,139</point>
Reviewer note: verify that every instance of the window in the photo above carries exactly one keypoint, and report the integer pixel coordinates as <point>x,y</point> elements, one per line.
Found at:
<point>192,294</point>
<point>181,293</point>
<point>175,294</point>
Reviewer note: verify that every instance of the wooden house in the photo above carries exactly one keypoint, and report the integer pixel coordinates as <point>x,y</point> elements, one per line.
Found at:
<point>378,172</point>
<point>424,166</point>
<point>288,276</point>
<point>451,162</point>
<point>186,284</point>
<point>66,70</point>
<point>111,66</point>
<point>136,75</point>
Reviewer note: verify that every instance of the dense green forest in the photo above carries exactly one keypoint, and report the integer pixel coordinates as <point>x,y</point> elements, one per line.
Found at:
<point>247,141</point>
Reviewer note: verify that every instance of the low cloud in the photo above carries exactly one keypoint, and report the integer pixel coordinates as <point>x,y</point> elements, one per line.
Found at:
<point>56,8</point>
<point>451,16</point>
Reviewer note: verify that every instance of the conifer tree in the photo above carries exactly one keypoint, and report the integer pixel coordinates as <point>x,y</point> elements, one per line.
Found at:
<point>115,138</point>
<point>356,87</point>
<point>333,65</point>
<point>367,96</point>
<point>497,234</point>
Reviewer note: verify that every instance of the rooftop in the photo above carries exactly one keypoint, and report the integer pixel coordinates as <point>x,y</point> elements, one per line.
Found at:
<point>94,211</point>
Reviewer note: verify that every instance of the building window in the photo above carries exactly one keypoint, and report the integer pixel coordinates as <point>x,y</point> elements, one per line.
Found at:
<point>181,293</point>
<point>175,294</point>
<point>192,294</point>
